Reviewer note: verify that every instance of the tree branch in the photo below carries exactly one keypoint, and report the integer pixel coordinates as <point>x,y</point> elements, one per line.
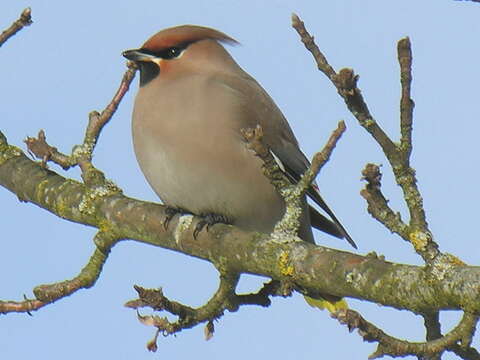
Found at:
<point>25,19</point>
<point>350,275</point>
<point>404,51</point>
<point>224,298</point>
<point>82,154</point>
<point>378,204</point>
<point>388,345</point>
<point>446,282</point>
<point>398,156</point>
<point>293,194</point>
<point>49,293</point>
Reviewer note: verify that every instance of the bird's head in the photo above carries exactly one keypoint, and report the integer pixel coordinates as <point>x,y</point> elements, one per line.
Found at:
<point>178,50</point>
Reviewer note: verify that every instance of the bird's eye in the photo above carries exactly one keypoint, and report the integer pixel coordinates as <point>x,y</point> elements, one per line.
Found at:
<point>172,53</point>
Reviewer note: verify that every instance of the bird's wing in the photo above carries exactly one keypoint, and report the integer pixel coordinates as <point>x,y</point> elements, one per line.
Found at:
<point>294,163</point>
<point>280,138</point>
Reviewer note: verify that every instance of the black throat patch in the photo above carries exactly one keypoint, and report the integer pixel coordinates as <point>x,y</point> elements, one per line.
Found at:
<point>148,72</point>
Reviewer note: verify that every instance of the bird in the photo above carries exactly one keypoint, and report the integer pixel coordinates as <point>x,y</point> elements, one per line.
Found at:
<point>192,104</point>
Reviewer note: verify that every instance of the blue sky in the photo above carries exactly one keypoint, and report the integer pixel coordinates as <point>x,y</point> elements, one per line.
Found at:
<point>69,62</point>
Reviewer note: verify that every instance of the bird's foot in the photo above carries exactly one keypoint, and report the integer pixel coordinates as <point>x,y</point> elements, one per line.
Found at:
<point>209,220</point>
<point>170,212</point>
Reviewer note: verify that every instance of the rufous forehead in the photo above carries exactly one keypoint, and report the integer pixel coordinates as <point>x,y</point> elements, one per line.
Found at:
<point>184,34</point>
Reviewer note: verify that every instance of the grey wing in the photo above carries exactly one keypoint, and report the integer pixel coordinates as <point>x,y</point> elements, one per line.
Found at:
<point>294,164</point>
<point>283,144</point>
<point>259,108</point>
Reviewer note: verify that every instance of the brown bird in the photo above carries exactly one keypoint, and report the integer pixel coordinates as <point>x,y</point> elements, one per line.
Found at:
<point>193,101</point>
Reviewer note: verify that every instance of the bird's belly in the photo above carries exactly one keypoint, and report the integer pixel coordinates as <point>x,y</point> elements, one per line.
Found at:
<point>210,175</point>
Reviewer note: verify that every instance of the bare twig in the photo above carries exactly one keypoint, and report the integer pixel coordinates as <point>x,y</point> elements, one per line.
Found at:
<point>26,306</point>
<point>47,294</point>
<point>25,19</point>
<point>98,121</point>
<point>293,194</point>
<point>388,345</point>
<point>82,154</point>
<point>225,298</point>
<point>39,148</point>
<point>288,226</point>
<point>378,204</point>
<point>321,158</point>
<point>398,155</point>
<point>404,51</point>
<point>187,317</point>
<point>346,83</point>
<point>254,139</point>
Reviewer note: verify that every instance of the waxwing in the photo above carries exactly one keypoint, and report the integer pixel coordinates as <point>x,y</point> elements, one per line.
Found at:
<point>193,101</point>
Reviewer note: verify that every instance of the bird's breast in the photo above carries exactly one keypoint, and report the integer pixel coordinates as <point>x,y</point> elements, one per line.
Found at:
<point>188,144</point>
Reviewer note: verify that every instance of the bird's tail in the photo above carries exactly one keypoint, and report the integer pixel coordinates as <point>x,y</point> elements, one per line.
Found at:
<point>330,305</point>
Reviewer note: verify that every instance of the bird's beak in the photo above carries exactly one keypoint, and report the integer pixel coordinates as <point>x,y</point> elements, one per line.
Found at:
<point>137,55</point>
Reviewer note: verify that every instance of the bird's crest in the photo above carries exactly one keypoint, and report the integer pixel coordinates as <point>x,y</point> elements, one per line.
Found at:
<point>184,34</point>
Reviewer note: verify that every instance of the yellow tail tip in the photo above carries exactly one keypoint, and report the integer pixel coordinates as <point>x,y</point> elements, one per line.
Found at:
<point>323,304</point>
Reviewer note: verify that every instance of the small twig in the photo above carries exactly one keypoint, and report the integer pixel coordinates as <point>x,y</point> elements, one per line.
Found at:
<point>262,297</point>
<point>87,276</point>
<point>225,298</point>
<point>25,19</point>
<point>82,154</point>
<point>254,139</point>
<point>398,155</point>
<point>47,294</point>
<point>404,51</point>
<point>293,194</point>
<point>25,306</point>
<point>39,148</point>
<point>157,301</point>
<point>288,226</point>
<point>389,345</point>
<point>187,317</point>
<point>378,204</point>
<point>3,139</point>
<point>98,121</point>
<point>346,83</point>
<point>321,158</point>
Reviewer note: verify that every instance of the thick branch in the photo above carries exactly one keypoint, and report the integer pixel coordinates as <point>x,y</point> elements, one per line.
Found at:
<point>451,286</point>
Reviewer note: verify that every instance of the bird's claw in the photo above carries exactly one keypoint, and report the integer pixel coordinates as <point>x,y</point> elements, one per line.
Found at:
<point>209,220</point>
<point>170,212</point>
